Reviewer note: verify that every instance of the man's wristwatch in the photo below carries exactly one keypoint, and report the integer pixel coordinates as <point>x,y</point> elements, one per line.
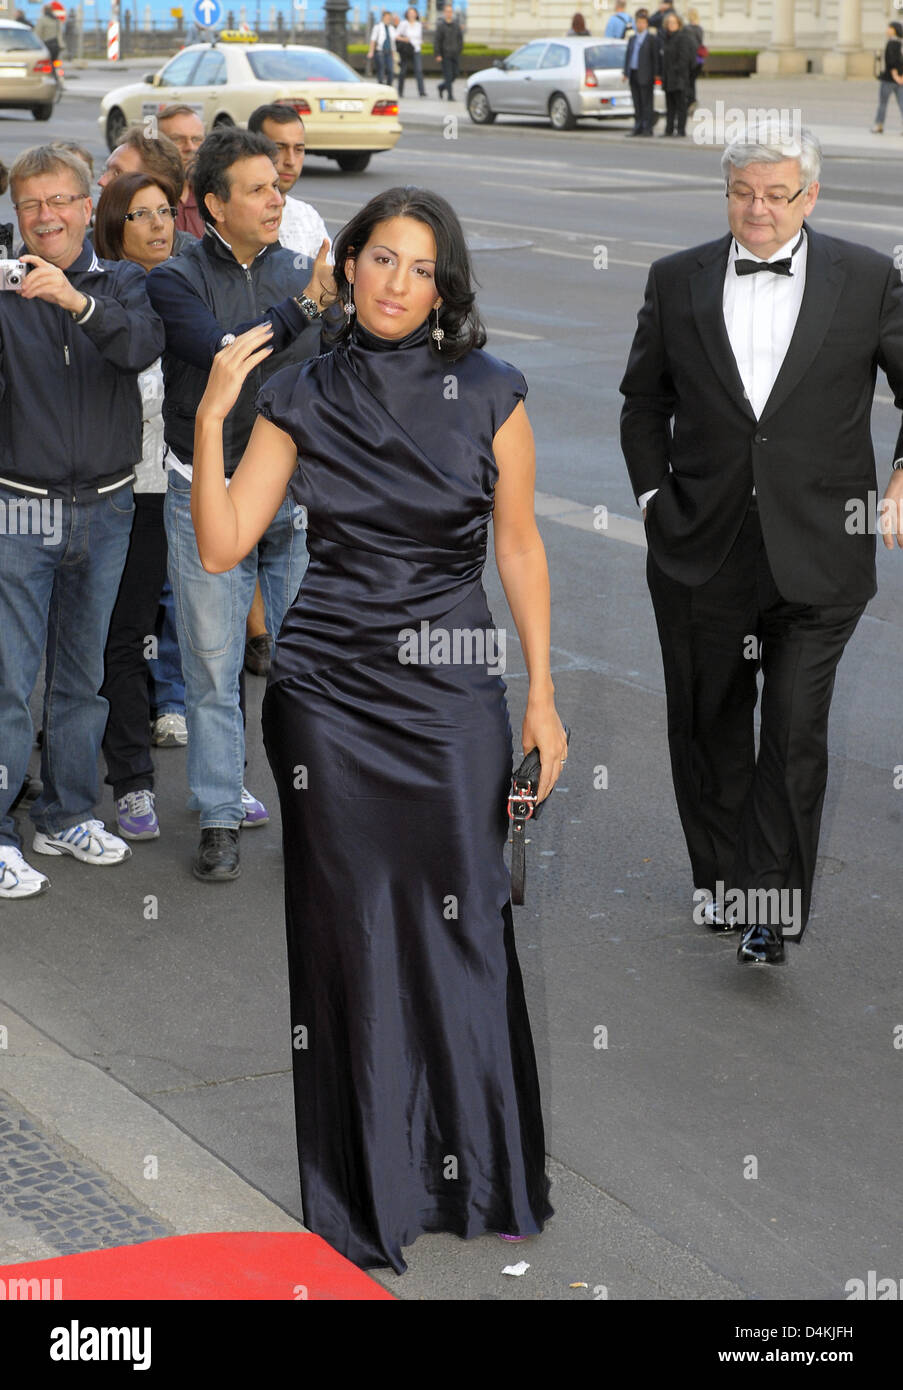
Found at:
<point>309,307</point>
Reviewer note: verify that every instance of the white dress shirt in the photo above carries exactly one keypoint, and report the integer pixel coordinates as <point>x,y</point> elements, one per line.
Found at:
<point>302,229</point>
<point>760,314</point>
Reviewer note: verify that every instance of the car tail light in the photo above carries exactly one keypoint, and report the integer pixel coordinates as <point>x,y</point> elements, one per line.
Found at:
<point>44,66</point>
<point>297,104</point>
<point>385,108</point>
<point>590,79</point>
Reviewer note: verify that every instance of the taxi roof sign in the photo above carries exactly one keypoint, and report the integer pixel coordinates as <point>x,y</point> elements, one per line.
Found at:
<point>236,36</point>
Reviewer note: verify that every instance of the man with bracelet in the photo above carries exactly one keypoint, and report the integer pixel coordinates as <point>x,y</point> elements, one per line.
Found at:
<point>235,277</point>
<point>73,338</point>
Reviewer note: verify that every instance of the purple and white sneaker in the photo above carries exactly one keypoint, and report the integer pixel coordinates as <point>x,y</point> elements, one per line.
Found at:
<point>136,817</point>
<point>255,811</point>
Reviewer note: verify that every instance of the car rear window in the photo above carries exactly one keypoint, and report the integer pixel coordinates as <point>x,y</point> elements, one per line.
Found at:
<point>606,55</point>
<point>285,66</point>
<point>15,40</point>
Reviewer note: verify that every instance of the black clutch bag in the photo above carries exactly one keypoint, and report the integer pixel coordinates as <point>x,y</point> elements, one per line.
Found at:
<point>522,808</point>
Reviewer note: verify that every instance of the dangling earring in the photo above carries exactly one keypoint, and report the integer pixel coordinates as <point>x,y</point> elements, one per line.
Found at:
<point>348,306</point>
<point>437,333</point>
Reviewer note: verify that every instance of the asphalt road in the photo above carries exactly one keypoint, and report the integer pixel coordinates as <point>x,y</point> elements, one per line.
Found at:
<point>707,1066</point>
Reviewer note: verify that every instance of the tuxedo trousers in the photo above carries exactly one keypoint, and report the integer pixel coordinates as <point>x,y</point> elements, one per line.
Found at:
<point>751,819</point>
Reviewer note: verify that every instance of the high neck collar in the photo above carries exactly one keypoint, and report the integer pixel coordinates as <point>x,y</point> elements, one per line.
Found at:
<point>363,338</point>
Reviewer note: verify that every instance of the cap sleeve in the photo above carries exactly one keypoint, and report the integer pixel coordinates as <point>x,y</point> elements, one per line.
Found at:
<point>280,399</point>
<point>509,387</point>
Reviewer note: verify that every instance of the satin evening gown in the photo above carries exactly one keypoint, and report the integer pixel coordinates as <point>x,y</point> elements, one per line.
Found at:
<point>416,1094</point>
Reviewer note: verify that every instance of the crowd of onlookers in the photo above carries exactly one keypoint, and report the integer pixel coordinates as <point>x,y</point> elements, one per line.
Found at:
<point>105,349</point>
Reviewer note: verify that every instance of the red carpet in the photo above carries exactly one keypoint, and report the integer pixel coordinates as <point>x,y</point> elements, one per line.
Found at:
<point>222,1266</point>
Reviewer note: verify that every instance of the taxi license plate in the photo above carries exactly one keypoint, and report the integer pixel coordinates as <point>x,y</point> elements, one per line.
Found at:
<point>12,72</point>
<point>337,104</point>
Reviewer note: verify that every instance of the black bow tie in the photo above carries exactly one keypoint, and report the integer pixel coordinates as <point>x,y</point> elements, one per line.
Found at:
<point>781,267</point>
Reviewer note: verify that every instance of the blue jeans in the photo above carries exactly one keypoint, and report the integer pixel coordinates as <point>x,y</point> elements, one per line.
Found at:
<point>884,93</point>
<point>211,613</point>
<point>167,688</point>
<point>59,574</point>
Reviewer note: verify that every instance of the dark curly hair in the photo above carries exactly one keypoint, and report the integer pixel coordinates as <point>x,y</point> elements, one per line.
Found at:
<point>223,147</point>
<point>458,317</point>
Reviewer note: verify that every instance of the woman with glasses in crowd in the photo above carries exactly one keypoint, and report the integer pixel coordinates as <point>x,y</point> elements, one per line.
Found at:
<point>135,221</point>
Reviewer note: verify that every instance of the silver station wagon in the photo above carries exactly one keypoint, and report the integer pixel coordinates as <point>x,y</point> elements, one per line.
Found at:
<point>564,80</point>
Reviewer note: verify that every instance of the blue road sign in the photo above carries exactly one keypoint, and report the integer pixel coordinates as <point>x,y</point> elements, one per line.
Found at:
<point>207,12</point>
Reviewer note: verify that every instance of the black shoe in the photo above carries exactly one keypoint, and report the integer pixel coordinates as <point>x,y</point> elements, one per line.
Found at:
<point>717,920</point>
<point>760,945</point>
<point>258,653</point>
<point>217,857</point>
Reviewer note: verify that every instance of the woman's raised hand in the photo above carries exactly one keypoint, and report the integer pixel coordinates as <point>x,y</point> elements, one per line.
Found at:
<point>231,367</point>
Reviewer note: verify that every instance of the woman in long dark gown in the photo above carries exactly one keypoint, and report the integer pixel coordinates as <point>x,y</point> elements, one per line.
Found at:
<point>416,1093</point>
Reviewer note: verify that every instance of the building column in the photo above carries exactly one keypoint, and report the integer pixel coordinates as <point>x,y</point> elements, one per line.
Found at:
<point>782,55</point>
<point>848,58</point>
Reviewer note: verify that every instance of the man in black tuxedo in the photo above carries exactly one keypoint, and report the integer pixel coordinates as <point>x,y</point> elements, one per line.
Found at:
<point>642,65</point>
<point>746,431</point>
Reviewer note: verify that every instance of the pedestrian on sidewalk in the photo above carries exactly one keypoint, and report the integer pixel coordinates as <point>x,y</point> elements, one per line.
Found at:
<point>136,222</point>
<point>382,48</point>
<point>693,26</point>
<point>409,46</point>
<point>890,78</point>
<point>642,65</point>
<point>678,73</point>
<point>448,43</point>
<point>79,331</point>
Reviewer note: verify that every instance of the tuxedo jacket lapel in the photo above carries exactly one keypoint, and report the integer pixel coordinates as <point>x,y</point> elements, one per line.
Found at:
<point>825,276</point>
<point>706,297</point>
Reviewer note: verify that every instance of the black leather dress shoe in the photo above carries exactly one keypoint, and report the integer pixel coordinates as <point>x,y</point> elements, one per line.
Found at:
<point>258,652</point>
<point>760,945</point>
<point>217,858</point>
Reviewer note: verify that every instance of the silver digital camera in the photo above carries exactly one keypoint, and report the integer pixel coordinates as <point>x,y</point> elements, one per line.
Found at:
<point>12,274</point>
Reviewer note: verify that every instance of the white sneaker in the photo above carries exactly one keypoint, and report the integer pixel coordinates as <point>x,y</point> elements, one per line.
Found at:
<point>17,878</point>
<point>89,842</point>
<point>169,731</point>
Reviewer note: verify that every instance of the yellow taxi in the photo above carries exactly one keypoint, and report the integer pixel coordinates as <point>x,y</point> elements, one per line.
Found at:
<point>346,118</point>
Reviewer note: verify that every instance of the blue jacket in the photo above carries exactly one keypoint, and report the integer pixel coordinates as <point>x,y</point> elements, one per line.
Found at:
<point>204,293</point>
<point>70,409</point>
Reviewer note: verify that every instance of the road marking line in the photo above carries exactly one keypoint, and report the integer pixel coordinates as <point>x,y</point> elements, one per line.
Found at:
<point>567,512</point>
<point>510,333</point>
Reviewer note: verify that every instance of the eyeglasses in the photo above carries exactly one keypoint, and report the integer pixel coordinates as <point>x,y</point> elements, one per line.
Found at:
<point>745,197</point>
<point>142,214</point>
<point>58,200</point>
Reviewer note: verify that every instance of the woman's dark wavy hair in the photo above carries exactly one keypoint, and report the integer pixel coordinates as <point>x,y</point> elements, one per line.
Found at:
<point>112,206</point>
<point>458,316</point>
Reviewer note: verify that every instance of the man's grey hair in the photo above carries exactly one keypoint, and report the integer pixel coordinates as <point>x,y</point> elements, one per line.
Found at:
<point>769,145</point>
<point>47,159</point>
